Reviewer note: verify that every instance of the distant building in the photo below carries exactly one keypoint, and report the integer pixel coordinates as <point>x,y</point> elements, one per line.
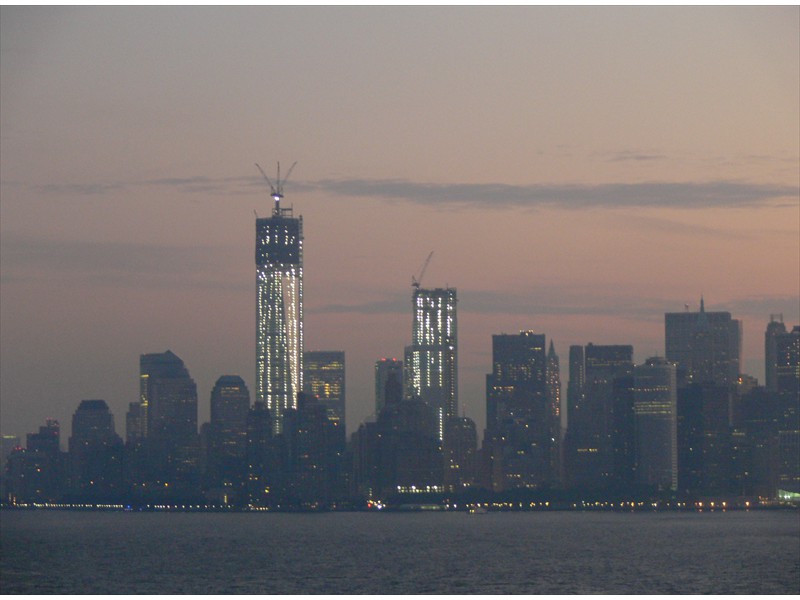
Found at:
<point>227,438</point>
<point>775,327</point>
<point>8,443</point>
<point>95,454</point>
<point>705,346</point>
<point>460,453</point>
<point>434,351</point>
<point>36,473</point>
<point>324,379</point>
<point>655,407</point>
<point>599,439</point>
<point>787,361</point>
<point>169,398</point>
<point>384,369</point>
<point>521,419</point>
<point>279,310</point>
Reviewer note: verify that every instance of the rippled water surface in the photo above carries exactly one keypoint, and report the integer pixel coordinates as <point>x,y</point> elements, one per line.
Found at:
<point>531,553</point>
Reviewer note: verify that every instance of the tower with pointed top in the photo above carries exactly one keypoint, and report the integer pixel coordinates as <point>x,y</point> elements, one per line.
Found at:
<point>279,308</point>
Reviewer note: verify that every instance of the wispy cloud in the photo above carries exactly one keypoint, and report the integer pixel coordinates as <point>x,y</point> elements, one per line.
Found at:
<point>686,195</point>
<point>717,194</point>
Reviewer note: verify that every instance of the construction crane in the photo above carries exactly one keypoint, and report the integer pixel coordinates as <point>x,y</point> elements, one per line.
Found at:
<point>277,189</point>
<point>417,281</point>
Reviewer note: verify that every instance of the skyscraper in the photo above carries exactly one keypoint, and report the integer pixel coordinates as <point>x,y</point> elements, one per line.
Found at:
<point>169,396</point>
<point>324,379</point>
<point>95,453</point>
<point>520,419</point>
<point>706,346</point>
<point>655,406</point>
<point>787,362</point>
<point>775,327</point>
<point>279,309</point>
<point>434,351</point>
<point>227,443</point>
<point>384,369</point>
<point>600,415</point>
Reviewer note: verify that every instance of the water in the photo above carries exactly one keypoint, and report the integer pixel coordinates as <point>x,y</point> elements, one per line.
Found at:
<point>400,553</point>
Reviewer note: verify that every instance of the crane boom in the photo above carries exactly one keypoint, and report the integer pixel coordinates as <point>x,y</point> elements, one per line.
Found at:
<point>417,281</point>
<point>276,190</point>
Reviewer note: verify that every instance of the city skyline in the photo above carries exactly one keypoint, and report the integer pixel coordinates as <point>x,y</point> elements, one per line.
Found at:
<point>573,179</point>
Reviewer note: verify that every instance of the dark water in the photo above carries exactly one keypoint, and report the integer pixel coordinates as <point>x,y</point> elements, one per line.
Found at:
<point>402,553</point>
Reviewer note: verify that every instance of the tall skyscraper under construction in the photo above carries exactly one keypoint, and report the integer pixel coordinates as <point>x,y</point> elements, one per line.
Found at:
<point>279,306</point>
<point>434,351</point>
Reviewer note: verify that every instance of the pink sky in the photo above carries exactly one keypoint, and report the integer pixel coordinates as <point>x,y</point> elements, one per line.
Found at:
<point>576,171</point>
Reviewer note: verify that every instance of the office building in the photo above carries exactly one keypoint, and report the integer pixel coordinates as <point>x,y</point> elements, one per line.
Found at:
<point>227,436</point>
<point>324,379</point>
<point>279,310</point>
<point>434,351</point>
<point>787,362</point>
<point>656,424</point>
<point>95,454</point>
<point>387,369</point>
<point>521,421</point>
<point>599,452</point>
<point>705,346</point>
<point>169,398</point>
<point>775,327</point>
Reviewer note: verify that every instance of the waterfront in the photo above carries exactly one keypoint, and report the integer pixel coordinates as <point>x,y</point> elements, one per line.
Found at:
<point>69,552</point>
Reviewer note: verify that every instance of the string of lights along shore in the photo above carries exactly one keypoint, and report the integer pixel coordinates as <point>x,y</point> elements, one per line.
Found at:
<point>683,429</point>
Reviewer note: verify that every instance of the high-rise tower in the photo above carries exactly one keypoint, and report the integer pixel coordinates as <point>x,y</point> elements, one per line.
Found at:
<point>706,346</point>
<point>279,307</point>
<point>324,379</point>
<point>434,351</point>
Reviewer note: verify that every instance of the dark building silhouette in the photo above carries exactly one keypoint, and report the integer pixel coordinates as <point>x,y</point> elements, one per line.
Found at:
<point>775,327</point>
<point>598,441</point>
<point>165,463</point>
<point>460,450</point>
<point>36,473</point>
<point>553,379</point>
<point>263,475</point>
<point>226,465</point>
<point>522,423</point>
<point>95,455</point>
<point>656,424</point>
<point>787,361</point>
<point>409,453</point>
<point>385,368</point>
<point>313,451</point>
<point>324,379</point>
<point>705,346</point>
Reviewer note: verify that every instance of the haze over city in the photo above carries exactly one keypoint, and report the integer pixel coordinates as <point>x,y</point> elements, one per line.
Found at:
<point>577,172</point>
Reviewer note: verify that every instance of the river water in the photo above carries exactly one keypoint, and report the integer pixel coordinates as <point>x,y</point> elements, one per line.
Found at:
<point>65,552</point>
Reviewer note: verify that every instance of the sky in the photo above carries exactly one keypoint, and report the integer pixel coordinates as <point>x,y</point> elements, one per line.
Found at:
<point>576,171</point>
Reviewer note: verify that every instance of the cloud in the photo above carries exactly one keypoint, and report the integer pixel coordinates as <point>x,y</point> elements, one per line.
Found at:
<point>635,157</point>
<point>686,195</point>
<point>718,194</point>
